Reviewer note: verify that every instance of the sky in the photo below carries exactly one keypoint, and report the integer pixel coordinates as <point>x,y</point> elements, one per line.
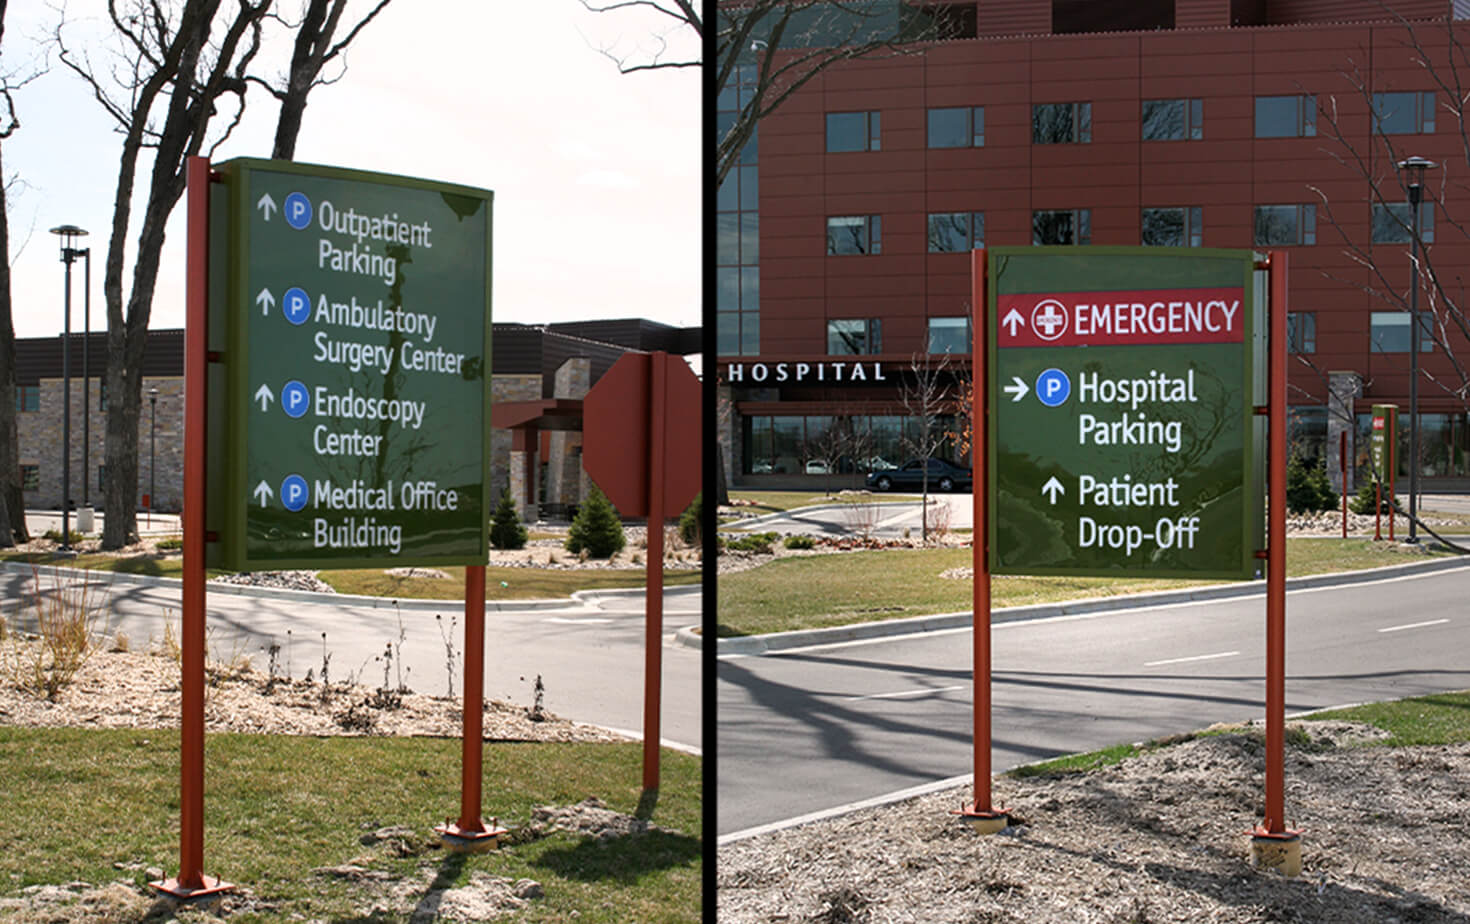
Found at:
<point>596,174</point>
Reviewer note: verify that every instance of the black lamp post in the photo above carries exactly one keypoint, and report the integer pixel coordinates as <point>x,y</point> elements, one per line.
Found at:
<point>1413,168</point>
<point>69,234</point>
<point>152,452</point>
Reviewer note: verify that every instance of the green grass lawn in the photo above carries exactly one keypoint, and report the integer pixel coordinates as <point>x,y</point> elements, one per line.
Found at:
<point>1440,718</point>
<point>832,590</point>
<point>277,807</point>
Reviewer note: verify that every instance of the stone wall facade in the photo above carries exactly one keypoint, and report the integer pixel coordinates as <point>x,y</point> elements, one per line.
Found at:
<point>40,436</point>
<point>40,439</point>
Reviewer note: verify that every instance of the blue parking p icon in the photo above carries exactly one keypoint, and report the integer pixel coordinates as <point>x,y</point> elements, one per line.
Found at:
<point>293,492</point>
<point>1053,387</point>
<point>294,399</point>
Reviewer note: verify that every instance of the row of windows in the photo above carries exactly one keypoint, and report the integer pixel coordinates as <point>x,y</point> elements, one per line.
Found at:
<point>1182,226</point>
<point>1295,116</point>
<point>822,444</point>
<point>1388,332</point>
<point>864,336</point>
<point>28,398</point>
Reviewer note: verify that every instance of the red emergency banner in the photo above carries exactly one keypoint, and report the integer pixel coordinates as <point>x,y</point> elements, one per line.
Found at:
<point>1144,316</point>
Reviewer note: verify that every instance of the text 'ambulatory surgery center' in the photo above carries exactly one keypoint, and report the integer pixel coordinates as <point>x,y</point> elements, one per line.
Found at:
<point>844,230</point>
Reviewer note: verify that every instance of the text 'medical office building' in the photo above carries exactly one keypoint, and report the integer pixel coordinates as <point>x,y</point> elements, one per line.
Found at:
<point>843,233</point>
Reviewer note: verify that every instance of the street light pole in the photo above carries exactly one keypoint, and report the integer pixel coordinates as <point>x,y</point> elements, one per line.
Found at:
<point>152,452</point>
<point>1414,168</point>
<point>69,234</point>
<point>86,253</point>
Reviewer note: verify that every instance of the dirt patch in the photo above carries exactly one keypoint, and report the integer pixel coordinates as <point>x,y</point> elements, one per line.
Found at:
<point>1161,837</point>
<point>591,818</point>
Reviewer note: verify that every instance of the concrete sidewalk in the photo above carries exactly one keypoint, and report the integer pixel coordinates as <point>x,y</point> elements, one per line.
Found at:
<point>40,522</point>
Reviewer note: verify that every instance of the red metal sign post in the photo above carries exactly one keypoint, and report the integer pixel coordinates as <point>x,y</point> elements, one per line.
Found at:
<point>470,832</point>
<point>1272,843</point>
<point>980,814</point>
<point>191,883</point>
<point>641,444</point>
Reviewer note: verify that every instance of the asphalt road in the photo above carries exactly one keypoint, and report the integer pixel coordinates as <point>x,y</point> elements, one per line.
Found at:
<point>816,728</point>
<point>590,655</point>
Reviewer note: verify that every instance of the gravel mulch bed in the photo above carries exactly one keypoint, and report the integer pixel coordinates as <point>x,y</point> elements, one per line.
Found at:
<point>1161,837</point>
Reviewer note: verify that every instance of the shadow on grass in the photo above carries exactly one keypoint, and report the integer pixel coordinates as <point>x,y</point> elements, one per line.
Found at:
<point>625,860</point>
<point>140,565</point>
<point>647,802</point>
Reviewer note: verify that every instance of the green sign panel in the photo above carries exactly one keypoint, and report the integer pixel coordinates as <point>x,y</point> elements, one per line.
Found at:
<point>1382,442</point>
<point>1120,434</point>
<point>358,356</point>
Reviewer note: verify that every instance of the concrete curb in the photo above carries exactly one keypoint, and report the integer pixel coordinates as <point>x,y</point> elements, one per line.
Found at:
<point>306,596</point>
<point>779,641</point>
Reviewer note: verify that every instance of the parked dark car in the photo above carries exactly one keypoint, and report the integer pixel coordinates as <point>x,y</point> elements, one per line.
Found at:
<point>943,476</point>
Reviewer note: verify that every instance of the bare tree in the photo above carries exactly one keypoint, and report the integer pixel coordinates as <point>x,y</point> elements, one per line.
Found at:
<point>312,51</point>
<point>171,75</point>
<point>1442,294</point>
<point>926,393</point>
<point>681,14</point>
<point>12,498</point>
<point>177,86</point>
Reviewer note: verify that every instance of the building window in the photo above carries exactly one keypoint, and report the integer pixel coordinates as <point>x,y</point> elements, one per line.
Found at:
<point>956,232</point>
<point>1286,224</point>
<point>1061,123</point>
<point>1388,332</point>
<point>949,335</point>
<point>1173,227</point>
<point>1403,113</point>
<point>1062,227</point>
<point>854,234</point>
<point>853,131</point>
<point>27,398</point>
<point>1301,332</point>
<point>1173,119</point>
<point>737,246</point>
<point>855,336</point>
<point>1393,223</point>
<point>30,477</point>
<point>961,127</point>
<point>101,478</point>
<point>1286,116</point>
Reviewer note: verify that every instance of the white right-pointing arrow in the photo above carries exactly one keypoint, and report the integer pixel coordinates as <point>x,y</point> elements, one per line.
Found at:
<point>265,396</point>
<point>1017,389</point>
<point>1012,320</point>
<point>266,301</point>
<point>1052,488</point>
<point>263,493</point>
<point>266,204</point>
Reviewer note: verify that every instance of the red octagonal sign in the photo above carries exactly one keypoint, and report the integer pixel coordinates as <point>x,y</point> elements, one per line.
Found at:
<point>628,425</point>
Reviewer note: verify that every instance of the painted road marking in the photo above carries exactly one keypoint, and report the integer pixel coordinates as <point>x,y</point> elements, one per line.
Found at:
<point>1208,657</point>
<point>1415,625</point>
<point>903,693</point>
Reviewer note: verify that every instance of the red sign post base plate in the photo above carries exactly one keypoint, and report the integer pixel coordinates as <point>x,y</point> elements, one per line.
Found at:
<point>983,821</point>
<point>212,888</point>
<point>461,840</point>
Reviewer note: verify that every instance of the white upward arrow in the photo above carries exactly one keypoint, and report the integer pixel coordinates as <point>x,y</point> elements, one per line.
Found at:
<point>1013,320</point>
<point>266,301</point>
<point>1052,488</point>
<point>265,396</point>
<point>266,204</point>
<point>1017,389</point>
<point>263,493</point>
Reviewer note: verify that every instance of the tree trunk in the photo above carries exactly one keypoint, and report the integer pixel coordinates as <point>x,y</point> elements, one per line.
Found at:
<point>12,501</point>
